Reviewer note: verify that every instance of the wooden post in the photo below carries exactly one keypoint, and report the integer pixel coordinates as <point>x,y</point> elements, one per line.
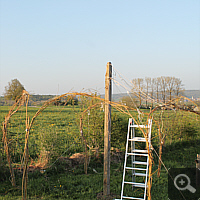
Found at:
<point>198,170</point>
<point>107,130</point>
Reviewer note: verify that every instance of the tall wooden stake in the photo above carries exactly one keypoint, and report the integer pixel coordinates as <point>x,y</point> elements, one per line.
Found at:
<point>107,130</point>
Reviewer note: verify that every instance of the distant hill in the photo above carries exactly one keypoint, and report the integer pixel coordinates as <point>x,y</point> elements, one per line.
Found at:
<point>187,93</point>
<point>192,93</point>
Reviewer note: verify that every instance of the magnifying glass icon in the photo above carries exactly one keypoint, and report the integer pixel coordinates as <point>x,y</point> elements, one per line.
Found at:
<point>182,182</point>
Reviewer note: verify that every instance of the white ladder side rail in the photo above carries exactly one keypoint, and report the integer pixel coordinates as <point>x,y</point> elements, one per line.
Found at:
<point>126,153</point>
<point>146,178</point>
<point>149,141</point>
<point>132,147</point>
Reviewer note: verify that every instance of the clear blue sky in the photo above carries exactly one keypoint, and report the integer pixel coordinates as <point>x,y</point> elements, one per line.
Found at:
<point>52,46</point>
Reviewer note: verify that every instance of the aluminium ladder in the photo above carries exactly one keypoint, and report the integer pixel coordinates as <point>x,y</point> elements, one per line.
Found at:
<point>139,160</point>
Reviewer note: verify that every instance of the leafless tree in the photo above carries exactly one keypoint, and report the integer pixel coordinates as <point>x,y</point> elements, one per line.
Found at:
<point>163,86</point>
<point>153,83</point>
<point>138,82</point>
<point>178,87</point>
<point>170,81</point>
<point>157,85</point>
<point>148,83</point>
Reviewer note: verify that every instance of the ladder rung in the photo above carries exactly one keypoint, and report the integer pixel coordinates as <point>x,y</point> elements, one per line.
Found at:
<point>138,139</point>
<point>128,167</point>
<point>139,151</point>
<point>124,197</point>
<point>135,168</point>
<point>139,163</point>
<point>137,126</point>
<point>139,174</point>
<point>135,184</point>
<point>136,154</point>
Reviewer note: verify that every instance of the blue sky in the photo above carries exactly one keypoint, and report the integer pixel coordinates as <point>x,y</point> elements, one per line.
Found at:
<point>53,46</point>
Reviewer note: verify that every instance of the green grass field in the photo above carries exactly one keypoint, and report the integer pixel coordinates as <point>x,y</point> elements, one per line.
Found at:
<point>56,131</point>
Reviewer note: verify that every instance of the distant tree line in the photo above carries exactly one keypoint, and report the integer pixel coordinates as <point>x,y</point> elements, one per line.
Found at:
<point>71,100</point>
<point>14,90</point>
<point>161,89</point>
<point>41,97</point>
<point>38,100</point>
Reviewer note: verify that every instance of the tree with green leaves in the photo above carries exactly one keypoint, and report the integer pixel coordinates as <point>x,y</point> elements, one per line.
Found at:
<point>13,90</point>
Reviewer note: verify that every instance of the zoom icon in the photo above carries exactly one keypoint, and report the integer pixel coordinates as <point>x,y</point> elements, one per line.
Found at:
<point>183,184</point>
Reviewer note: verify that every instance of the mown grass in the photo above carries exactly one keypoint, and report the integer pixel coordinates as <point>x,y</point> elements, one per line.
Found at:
<point>56,129</point>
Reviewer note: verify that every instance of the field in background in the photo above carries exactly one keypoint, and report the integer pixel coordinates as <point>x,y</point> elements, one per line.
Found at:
<point>40,99</point>
<point>56,133</point>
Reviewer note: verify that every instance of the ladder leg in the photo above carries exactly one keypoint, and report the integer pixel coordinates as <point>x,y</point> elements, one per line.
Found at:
<point>125,161</point>
<point>133,156</point>
<point>146,178</point>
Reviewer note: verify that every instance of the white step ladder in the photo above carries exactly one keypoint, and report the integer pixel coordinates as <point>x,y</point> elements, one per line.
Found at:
<point>139,161</point>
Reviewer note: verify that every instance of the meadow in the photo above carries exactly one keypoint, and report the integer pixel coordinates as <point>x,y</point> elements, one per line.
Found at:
<point>55,133</point>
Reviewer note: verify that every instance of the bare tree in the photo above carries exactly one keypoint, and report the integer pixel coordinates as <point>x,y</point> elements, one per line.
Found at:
<point>163,88</point>
<point>178,86</point>
<point>170,81</point>
<point>157,85</point>
<point>153,83</point>
<point>148,83</point>
<point>138,82</point>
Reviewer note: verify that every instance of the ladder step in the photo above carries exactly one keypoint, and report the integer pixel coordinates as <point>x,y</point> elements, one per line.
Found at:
<point>135,184</point>
<point>137,139</point>
<point>137,126</point>
<point>139,151</point>
<point>124,197</point>
<point>135,168</point>
<point>139,163</point>
<point>136,154</point>
<point>139,174</point>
